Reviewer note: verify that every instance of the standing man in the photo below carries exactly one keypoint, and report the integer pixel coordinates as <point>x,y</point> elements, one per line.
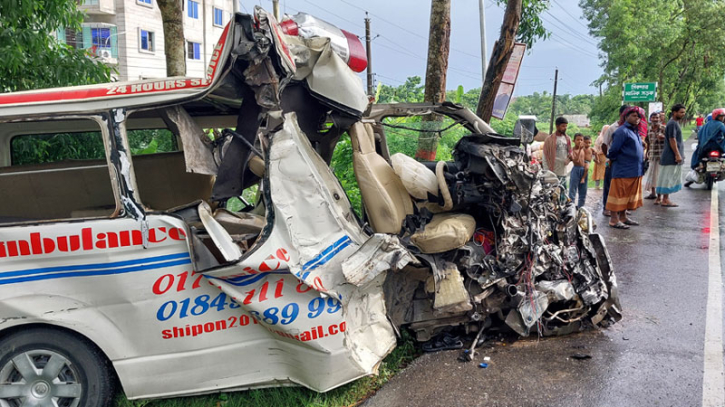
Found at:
<point>606,142</point>
<point>627,156</point>
<point>670,177</point>
<point>557,152</point>
<point>655,145</point>
<point>699,122</point>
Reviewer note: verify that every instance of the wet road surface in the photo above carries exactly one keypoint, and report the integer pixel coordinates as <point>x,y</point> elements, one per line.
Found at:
<point>653,357</point>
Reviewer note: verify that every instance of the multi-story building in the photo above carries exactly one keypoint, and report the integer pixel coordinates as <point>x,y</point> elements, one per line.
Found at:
<point>129,34</point>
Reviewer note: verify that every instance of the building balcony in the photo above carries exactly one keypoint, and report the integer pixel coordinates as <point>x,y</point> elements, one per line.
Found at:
<point>103,7</point>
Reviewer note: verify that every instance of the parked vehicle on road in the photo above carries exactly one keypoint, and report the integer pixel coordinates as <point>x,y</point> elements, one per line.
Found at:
<point>710,169</point>
<point>130,262</point>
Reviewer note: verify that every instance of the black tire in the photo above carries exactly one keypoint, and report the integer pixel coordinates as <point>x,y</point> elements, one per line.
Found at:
<point>84,374</point>
<point>709,181</point>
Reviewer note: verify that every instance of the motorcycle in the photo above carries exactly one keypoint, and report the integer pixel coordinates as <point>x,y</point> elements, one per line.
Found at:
<point>711,168</point>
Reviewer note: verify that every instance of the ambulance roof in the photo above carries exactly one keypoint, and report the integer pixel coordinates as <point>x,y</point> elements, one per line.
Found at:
<point>103,97</point>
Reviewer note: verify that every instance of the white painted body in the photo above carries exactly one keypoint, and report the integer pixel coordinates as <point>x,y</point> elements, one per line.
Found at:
<point>281,314</point>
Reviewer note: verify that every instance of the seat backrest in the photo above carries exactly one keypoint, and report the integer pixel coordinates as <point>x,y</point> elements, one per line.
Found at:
<point>386,200</point>
<point>419,181</point>
<point>163,182</point>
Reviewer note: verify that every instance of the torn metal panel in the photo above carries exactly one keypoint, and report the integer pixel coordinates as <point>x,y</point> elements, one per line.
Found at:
<point>313,234</point>
<point>450,293</point>
<point>377,255</point>
<point>198,151</point>
<point>327,74</point>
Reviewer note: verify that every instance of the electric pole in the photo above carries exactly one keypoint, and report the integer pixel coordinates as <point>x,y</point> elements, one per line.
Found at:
<point>484,53</point>
<point>368,48</point>
<point>553,102</point>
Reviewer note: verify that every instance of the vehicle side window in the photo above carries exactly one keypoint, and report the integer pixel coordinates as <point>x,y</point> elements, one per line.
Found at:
<point>151,141</point>
<point>57,175</point>
<point>54,147</point>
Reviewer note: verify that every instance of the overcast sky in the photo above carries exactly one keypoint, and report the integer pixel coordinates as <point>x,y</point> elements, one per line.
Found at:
<point>401,31</point>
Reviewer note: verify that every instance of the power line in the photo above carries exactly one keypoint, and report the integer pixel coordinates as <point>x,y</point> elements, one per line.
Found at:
<point>407,30</point>
<point>575,33</point>
<point>409,53</point>
<point>569,45</point>
<point>330,12</point>
<point>389,78</point>
<point>567,13</point>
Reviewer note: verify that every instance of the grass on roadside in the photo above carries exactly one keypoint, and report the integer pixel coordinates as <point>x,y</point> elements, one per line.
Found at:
<point>348,395</point>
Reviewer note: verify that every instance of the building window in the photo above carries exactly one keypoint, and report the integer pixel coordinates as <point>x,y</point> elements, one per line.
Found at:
<point>194,50</point>
<point>147,41</point>
<point>192,9</point>
<point>74,38</point>
<point>218,17</point>
<point>144,2</point>
<point>101,37</point>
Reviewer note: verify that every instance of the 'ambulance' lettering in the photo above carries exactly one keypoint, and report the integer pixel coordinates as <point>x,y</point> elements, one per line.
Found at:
<point>87,240</point>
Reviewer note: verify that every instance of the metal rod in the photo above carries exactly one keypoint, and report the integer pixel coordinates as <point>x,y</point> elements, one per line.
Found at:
<point>484,53</point>
<point>368,47</point>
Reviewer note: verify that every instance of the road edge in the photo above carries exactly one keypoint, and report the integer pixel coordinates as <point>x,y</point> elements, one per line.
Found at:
<point>713,382</point>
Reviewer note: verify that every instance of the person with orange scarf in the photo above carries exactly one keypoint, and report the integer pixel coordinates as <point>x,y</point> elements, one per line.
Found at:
<point>557,152</point>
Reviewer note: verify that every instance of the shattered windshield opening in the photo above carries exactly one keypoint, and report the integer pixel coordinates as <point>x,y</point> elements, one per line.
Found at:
<point>403,134</point>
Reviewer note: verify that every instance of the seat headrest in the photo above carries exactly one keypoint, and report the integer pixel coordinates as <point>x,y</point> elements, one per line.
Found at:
<point>362,137</point>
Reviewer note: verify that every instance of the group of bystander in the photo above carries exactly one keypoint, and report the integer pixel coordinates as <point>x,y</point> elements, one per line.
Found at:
<point>626,153</point>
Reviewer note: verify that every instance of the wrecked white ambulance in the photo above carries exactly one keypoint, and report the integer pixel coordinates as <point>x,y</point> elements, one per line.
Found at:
<point>130,265</point>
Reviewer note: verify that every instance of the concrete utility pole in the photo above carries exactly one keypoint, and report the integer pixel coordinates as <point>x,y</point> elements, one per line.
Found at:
<point>553,102</point>
<point>484,53</point>
<point>369,49</point>
<point>275,9</point>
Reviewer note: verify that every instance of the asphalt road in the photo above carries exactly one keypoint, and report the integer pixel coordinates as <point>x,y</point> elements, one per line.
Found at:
<point>655,356</point>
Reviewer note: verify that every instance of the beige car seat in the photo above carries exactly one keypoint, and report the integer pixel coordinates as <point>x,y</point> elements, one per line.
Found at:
<point>387,201</point>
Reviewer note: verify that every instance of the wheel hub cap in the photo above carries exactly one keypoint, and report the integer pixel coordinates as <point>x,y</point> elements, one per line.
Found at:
<point>40,389</point>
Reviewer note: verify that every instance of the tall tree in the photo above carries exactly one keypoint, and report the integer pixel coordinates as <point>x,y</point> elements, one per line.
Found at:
<point>674,43</point>
<point>174,45</point>
<point>439,43</point>
<point>521,22</point>
<point>32,55</point>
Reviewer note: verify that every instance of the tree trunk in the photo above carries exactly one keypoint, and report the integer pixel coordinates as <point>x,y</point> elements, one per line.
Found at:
<point>174,46</point>
<point>501,53</point>
<point>439,41</point>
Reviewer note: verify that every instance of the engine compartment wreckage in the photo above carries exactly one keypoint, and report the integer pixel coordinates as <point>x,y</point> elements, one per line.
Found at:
<point>481,240</point>
<point>529,258</point>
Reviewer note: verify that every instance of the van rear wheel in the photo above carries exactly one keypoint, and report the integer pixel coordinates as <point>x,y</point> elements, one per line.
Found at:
<point>47,367</point>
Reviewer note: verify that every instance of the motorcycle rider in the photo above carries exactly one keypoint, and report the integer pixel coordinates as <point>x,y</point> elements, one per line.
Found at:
<point>710,137</point>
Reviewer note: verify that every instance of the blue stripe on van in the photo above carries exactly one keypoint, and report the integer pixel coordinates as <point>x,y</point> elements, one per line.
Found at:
<point>99,269</point>
<point>327,254</point>
<point>248,279</point>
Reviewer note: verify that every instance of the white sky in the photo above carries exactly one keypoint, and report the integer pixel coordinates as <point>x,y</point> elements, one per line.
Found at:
<point>401,47</point>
